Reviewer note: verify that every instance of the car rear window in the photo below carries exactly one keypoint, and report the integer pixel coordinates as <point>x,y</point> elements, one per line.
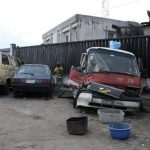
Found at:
<point>33,69</point>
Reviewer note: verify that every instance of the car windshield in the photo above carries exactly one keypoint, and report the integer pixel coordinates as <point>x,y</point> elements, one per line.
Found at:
<point>32,69</point>
<point>111,61</point>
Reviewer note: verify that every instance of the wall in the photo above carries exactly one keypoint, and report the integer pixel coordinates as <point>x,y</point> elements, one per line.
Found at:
<point>147,30</point>
<point>97,28</point>
<point>69,53</point>
<point>87,28</point>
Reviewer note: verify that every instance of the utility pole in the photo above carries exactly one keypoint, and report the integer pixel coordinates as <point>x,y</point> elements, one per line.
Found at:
<point>105,8</point>
<point>105,14</point>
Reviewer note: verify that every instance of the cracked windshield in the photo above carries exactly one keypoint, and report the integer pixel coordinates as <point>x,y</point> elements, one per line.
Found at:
<point>112,61</point>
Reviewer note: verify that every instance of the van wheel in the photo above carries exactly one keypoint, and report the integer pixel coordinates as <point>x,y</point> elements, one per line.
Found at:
<point>74,103</point>
<point>141,108</point>
<point>6,88</point>
<point>16,94</point>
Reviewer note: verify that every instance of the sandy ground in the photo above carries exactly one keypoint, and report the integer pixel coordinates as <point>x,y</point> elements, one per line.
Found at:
<point>35,124</point>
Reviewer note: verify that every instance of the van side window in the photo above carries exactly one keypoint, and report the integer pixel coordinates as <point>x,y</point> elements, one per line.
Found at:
<point>5,59</point>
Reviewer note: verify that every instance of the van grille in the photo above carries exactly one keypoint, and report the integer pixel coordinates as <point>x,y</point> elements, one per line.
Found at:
<point>111,91</point>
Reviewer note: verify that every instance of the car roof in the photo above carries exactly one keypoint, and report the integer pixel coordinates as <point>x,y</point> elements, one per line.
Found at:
<point>34,65</point>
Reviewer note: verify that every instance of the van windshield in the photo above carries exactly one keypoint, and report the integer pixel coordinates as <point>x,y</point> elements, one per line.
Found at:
<point>111,61</point>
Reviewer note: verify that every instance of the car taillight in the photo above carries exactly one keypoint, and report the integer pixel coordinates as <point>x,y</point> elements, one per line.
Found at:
<point>15,81</point>
<point>46,82</point>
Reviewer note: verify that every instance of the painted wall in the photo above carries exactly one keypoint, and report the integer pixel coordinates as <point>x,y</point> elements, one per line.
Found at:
<point>82,27</point>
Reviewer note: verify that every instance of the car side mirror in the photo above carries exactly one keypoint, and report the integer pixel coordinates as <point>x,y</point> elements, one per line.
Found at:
<point>81,69</point>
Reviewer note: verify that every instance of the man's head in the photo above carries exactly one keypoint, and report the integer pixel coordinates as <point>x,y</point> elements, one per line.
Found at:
<point>91,60</point>
<point>58,64</point>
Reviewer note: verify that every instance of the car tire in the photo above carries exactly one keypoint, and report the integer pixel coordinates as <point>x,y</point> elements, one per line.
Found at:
<point>16,94</point>
<point>6,88</point>
<point>51,91</point>
<point>46,96</point>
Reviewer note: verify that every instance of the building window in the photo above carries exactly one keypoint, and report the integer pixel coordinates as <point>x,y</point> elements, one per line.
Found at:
<point>67,38</point>
<point>76,35</point>
<point>51,39</point>
<point>111,34</point>
<point>58,37</point>
<point>47,41</point>
<point>5,60</point>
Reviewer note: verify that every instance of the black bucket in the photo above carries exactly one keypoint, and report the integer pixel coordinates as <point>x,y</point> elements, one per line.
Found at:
<point>77,125</point>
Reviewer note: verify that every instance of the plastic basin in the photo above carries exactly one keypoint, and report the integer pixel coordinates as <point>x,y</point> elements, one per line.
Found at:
<point>119,130</point>
<point>77,125</point>
<point>107,115</point>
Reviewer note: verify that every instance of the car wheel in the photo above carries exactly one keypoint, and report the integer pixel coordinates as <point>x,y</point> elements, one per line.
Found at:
<point>46,96</point>
<point>51,95</point>
<point>51,90</point>
<point>6,88</point>
<point>16,94</point>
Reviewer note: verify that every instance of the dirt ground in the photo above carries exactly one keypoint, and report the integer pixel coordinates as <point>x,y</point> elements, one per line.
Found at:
<point>35,124</point>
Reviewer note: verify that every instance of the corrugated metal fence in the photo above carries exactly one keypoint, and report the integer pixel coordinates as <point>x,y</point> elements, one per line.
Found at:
<point>69,53</point>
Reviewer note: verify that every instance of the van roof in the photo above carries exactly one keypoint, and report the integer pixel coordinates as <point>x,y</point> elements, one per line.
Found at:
<point>106,48</point>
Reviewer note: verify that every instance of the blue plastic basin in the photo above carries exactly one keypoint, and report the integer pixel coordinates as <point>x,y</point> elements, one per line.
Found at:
<point>119,130</point>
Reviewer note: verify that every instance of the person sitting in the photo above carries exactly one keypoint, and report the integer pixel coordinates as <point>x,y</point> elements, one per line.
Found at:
<point>58,73</point>
<point>58,69</point>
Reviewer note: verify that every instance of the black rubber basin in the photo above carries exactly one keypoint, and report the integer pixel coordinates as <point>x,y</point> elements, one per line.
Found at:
<point>77,125</point>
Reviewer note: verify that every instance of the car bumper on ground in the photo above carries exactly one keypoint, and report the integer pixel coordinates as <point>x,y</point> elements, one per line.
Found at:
<point>86,100</point>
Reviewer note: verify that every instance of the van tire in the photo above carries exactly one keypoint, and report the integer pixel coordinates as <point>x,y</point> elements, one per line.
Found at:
<point>74,103</point>
<point>141,108</point>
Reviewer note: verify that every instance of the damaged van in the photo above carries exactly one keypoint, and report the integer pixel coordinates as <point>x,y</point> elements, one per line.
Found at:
<point>106,77</point>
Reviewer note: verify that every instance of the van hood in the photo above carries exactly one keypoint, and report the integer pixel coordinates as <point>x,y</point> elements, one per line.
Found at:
<point>120,81</point>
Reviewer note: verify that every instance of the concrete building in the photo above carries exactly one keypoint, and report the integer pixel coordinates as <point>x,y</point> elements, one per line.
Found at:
<point>146,27</point>
<point>82,27</point>
<point>5,50</point>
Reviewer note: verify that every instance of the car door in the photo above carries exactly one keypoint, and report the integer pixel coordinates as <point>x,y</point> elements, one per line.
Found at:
<point>76,76</point>
<point>5,66</point>
<point>13,65</point>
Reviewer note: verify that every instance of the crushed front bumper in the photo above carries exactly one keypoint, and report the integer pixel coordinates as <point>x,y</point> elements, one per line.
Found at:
<point>87,100</point>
